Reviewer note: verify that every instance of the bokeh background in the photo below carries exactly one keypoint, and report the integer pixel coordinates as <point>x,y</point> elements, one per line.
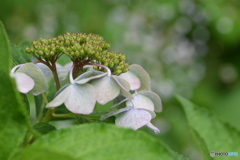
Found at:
<point>189,47</point>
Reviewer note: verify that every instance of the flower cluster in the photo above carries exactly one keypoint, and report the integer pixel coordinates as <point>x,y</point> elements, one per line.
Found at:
<point>81,48</point>
<point>95,75</point>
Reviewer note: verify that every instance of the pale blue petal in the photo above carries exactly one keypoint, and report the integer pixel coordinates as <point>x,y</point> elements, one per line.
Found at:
<point>107,89</point>
<point>87,76</point>
<point>140,101</point>
<point>45,70</point>
<point>124,87</point>
<point>134,118</point>
<point>81,99</point>
<point>152,127</point>
<point>60,97</point>
<point>154,98</point>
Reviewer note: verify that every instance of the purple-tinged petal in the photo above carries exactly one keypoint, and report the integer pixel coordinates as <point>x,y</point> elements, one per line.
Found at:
<point>143,76</point>
<point>81,99</point>
<point>154,98</point>
<point>152,127</point>
<point>140,101</point>
<point>134,118</point>
<point>24,82</point>
<point>132,79</point>
<point>107,89</point>
<point>124,87</point>
<point>60,97</point>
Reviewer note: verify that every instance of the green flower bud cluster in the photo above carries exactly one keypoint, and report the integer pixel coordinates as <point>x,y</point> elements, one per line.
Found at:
<point>79,47</point>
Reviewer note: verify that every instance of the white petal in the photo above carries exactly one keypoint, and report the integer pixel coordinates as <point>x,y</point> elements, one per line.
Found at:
<point>45,70</point>
<point>87,76</point>
<point>60,97</point>
<point>63,72</point>
<point>36,74</point>
<point>154,98</point>
<point>134,118</point>
<point>140,101</point>
<point>81,99</point>
<point>143,76</point>
<point>124,87</point>
<point>132,79</point>
<point>114,113</point>
<point>24,82</point>
<point>107,89</point>
<point>152,127</point>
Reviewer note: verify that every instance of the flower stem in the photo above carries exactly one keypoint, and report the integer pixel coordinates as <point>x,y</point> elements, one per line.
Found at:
<point>63,115</point>
<point>55,75</point>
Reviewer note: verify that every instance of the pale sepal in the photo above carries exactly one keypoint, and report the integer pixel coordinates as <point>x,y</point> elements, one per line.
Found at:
<point>24,82</point>
<point>143,76</point>
<point>107,89</point>
<point>134,118</point>
<point>132,79</point>
<point>154,98</point>
<point>140,101</point>
<point>36,74</point>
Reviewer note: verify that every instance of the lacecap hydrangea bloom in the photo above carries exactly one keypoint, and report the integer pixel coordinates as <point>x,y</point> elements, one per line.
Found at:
<point>94,75</point>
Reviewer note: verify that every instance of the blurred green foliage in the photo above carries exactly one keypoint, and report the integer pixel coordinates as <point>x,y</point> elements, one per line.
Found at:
<point>188,47</point>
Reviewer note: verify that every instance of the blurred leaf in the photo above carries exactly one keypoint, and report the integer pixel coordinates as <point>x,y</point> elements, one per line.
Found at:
<point>225,104</point>
<point>217,136</point>
<point>38,103</point>
<point>19,56</point>
<point>39,154</point>
<point>26,103</point>
<point>13,123</point>
<point>44,128</point>
<point>101,141</point>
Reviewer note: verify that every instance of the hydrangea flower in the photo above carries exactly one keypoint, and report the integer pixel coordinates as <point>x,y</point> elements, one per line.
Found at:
<point>138,112</point>
<point>141,109</point>
<point>78,96</point>
<point>29,79</point>
<point>109,87</point>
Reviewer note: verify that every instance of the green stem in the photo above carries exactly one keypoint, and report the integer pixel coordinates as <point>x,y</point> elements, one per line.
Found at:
<point>45,101</point>
<point>50,111</point>
<point>63,115</point>
<point>55,75</point>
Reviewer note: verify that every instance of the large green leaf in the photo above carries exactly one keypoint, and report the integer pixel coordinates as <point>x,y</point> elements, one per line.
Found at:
<point>104,142</point>
<point>39,154</point>
<point>212,133</point>
<point>12,120</point>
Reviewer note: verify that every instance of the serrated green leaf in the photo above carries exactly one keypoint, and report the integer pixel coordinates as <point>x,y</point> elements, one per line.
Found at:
<point>19,56</point>
<point>104,142</point>
<point>39,154</point>
<point>44,128</point>
<point>13,123</point>
<point>217,136</point>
